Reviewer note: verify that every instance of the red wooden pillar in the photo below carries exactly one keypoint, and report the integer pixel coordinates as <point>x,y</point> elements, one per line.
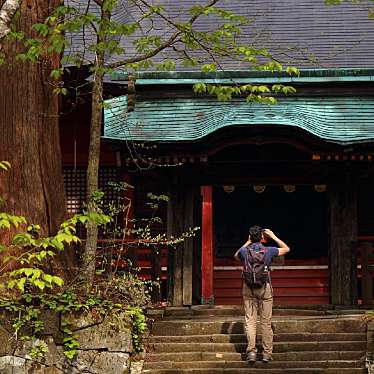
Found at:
<point>207,253</point>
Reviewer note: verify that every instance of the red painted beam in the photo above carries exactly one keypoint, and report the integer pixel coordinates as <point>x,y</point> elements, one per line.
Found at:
<point>207,253</point>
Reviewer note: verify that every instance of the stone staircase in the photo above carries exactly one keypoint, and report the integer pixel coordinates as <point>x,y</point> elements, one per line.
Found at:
<point>211,340</point>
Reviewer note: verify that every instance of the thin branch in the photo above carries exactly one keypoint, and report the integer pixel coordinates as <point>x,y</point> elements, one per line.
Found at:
<point>166,44</point>
<point>192,19</point>
<point>7,12</point>
<point>148,55</point>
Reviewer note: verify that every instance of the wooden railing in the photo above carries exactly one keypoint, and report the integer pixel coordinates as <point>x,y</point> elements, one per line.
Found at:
<point>152,262</point>
<point>154,266</point>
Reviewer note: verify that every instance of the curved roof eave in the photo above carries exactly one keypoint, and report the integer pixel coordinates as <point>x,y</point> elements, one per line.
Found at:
<point>340,120</point>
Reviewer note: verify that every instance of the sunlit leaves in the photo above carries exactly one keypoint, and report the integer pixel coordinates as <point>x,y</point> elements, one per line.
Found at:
<point>33,250</point>
<point>147,43</point>
<point>252,92</point>
<point>56,73</point>
<point>33,277</point>
<point>109,5</point>
<point>209,68</point>
<point>199,10</point>
<point>192,47</point>
<point>41,28</point>
<point>333,2</point>
<point>9,220</point>
<point>60,90</point>
<point>291,70</point>
<point>5,165</point>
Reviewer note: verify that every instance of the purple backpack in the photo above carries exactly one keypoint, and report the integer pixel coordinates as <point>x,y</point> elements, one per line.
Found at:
<point>255,270</point>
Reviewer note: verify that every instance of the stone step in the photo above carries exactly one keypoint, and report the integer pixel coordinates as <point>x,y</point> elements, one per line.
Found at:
<point>279,347</point>
<point>235,310</point>
<point>258,364</point>
<point>235,356</point>
<point>236,326</point>
<point>241,338</point>
<point>257,371</point>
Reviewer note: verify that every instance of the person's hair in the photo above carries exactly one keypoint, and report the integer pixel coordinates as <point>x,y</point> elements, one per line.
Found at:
<point>255,233</point>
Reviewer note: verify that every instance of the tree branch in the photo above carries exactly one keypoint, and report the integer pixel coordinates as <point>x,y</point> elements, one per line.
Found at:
<point>191,20</point>
<point>146,56</point>
<point>7,12</point>
<point>164,45</point>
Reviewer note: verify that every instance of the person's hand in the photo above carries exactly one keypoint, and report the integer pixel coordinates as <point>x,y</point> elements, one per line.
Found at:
<point>270,234</point>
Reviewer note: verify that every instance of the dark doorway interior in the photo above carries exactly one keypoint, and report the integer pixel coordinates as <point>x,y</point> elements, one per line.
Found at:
<point>299,218</point>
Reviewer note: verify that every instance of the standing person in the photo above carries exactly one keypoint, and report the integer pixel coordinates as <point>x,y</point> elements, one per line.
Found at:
<point>257,289</point>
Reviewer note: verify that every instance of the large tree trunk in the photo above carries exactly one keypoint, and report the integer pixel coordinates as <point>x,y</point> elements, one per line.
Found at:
<point>29,133</point>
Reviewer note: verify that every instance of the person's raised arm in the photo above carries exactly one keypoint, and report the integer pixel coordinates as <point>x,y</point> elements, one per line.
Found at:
<point>236,255</point>
<point>283,248</point>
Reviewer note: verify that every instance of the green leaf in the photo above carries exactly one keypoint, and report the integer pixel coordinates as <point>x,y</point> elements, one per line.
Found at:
<point>56,74</point>
<point>11,283</point>
<point>41,28</point>
<point>21,284</point>
<point>28,271</point>
<point>57,280</point>
<point>48,278</point>
<point>293,71</point>
<point>209,68</point>
<point>40,284</point>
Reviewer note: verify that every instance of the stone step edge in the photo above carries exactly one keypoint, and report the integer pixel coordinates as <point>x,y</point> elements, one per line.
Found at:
<point>179,319</point>
<point>256,370</point>
<point>279,335</point>
<point>274,343</point>
<point>227,363</point>
<point>219,355</point>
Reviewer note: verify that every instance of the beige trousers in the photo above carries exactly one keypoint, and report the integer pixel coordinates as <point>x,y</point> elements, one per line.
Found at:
<point>258,302</point>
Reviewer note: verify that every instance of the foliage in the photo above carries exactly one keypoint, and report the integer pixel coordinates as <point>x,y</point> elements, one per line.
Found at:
<point>28,325</point>
<point>32,250</point>
<point>139,326</point>
<point>369,8</point>
<point>25,278</point>
<point>30,290</point>
<point>183,40</point>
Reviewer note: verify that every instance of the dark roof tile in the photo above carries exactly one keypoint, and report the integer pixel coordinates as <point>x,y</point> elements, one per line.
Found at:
<point>305,33</point>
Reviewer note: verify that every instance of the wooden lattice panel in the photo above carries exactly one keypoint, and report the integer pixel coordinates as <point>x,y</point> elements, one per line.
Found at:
<point>75,186</point>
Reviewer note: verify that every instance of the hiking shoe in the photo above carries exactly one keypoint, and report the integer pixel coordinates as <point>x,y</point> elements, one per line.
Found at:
<point>251,357</point>
<point>266,357</point>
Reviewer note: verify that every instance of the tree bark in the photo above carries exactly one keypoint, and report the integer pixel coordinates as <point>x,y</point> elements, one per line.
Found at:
<point>89,255</point>
<point>90,250</point>
<point>29,133</point>
<point>7,12</point>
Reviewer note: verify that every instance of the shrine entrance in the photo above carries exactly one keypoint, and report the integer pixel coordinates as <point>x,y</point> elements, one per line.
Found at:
<point>297,213</point>
<point>308,199</point>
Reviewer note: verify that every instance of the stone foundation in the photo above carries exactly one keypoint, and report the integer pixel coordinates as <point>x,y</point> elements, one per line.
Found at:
<point>105,346</point>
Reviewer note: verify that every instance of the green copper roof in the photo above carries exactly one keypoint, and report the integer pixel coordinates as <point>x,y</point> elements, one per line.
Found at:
<point>344,120</point>
<point>249,76</point>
